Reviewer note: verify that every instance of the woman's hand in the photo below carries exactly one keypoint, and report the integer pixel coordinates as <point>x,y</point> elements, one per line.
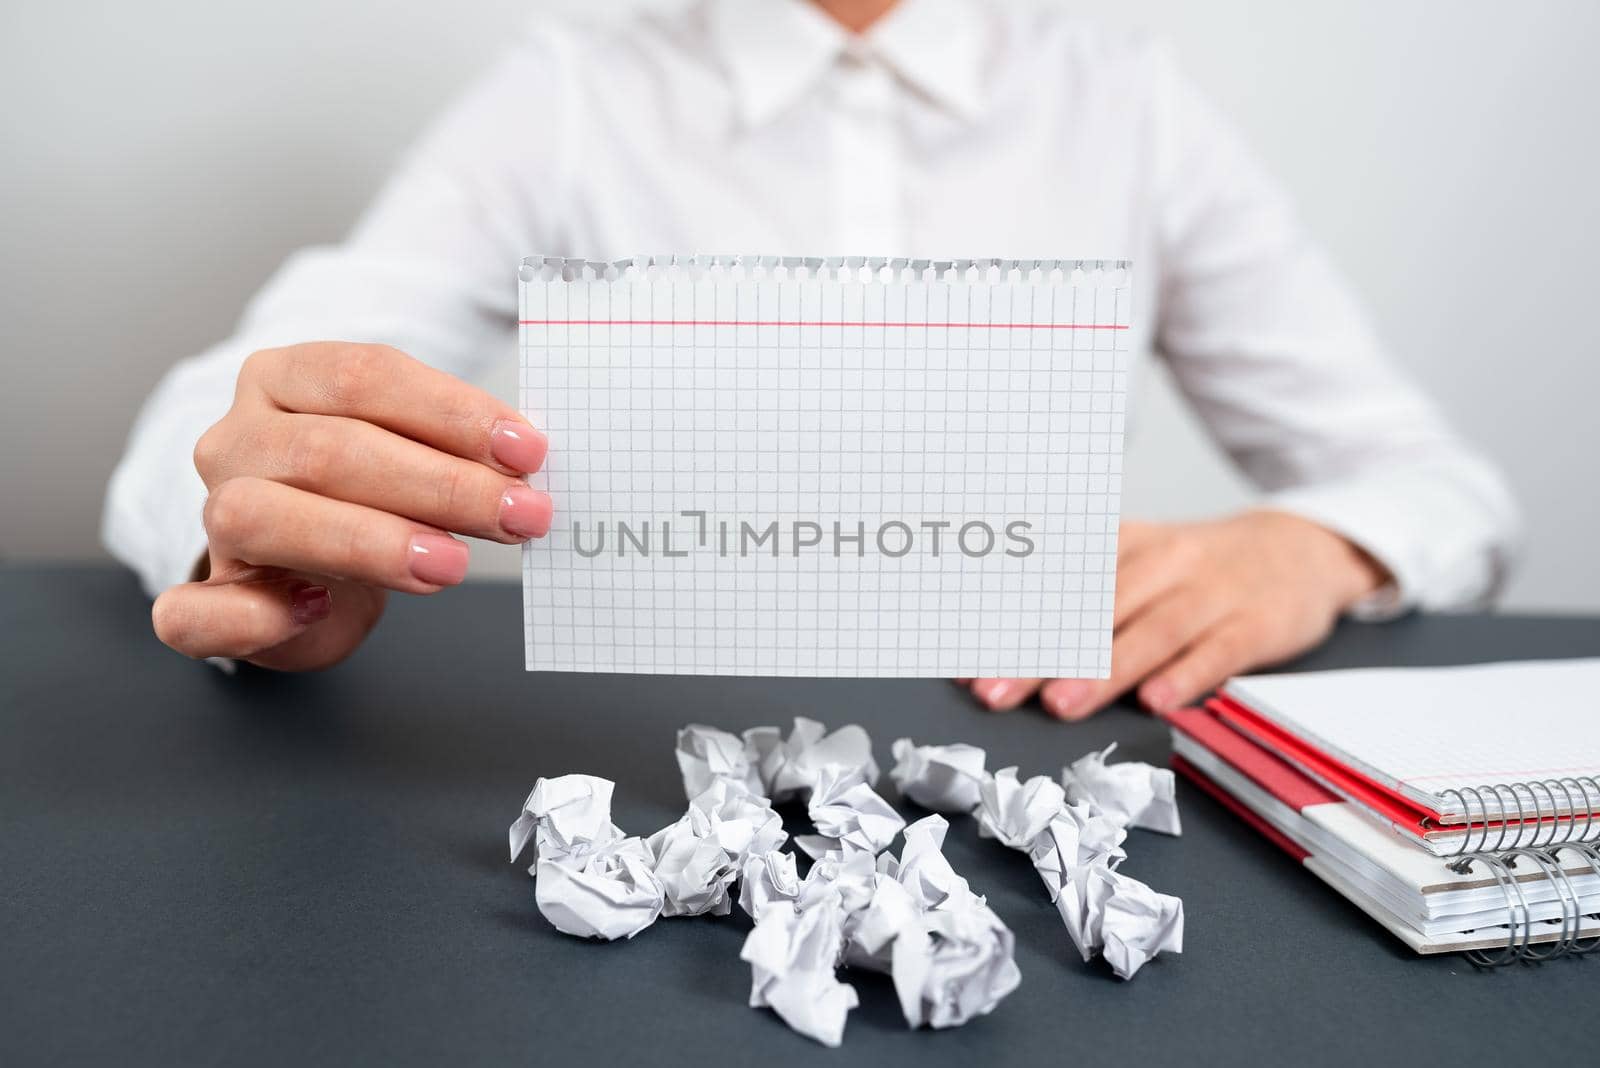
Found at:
<point>1200,602</point>
<point>337,475</point>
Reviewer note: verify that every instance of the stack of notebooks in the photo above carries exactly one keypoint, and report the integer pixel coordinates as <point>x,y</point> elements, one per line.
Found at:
<point>1456,806</point>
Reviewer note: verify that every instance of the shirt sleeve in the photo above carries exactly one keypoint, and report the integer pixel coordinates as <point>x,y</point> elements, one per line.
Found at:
<point>430,269</point>
<point>1267,342</point>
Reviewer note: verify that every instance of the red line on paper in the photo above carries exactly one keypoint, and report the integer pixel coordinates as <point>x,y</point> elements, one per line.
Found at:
<point>811,322</point>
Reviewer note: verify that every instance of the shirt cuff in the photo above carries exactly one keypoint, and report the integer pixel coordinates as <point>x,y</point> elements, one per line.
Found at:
<point>179,544</point>
<point>153,521</point>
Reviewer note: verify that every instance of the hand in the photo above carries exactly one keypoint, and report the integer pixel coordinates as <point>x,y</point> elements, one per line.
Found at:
<point>337,475</point>
<point>1198,603</point>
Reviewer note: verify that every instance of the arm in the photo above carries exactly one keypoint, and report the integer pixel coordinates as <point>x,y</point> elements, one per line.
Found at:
<point>428,271</point>
<point>1267,341</point>
<point>1372,504</point>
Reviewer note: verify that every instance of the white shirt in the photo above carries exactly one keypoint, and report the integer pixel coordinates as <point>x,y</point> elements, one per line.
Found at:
<point>952,129</point>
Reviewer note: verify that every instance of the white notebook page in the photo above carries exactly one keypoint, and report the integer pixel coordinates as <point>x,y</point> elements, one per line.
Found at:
<point>766,467</point>
<point>1426,731</point>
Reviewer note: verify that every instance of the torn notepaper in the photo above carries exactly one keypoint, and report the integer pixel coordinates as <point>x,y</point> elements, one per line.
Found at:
<point>726,426</point>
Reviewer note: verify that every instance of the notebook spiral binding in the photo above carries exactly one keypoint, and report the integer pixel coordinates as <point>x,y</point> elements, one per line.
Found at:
<point>1557,829</point>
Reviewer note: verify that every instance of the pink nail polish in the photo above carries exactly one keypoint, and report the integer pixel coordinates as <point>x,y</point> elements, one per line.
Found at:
<point>438,559</point>
<point>999,692</point>
<point>518,445</point>
<point>1064,696</point>
<point>310,604</point>
<point>1158,696</point>
<point>525,512</point>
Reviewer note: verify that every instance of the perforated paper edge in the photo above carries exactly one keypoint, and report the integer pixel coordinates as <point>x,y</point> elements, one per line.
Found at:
<point>833,268</point>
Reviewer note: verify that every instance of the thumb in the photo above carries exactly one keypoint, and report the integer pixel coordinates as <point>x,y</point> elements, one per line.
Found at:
<point>238,619</point>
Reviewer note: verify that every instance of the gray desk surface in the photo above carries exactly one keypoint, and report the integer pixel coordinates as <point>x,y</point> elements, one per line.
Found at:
<point>277,869</point>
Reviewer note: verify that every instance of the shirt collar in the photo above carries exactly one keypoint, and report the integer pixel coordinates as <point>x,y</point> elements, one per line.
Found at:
<point>937,47</point>
<point>776,50</point>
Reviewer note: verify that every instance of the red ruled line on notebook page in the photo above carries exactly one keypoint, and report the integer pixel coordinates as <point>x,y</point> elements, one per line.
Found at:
<point>820,322</point>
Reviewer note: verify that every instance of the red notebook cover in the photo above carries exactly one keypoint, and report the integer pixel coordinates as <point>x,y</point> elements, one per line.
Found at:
<point>1238,808</point>
<point>1259,766</point>
<point>1350,784</point>
<point>1341,779</point>
<point>1270,772</point>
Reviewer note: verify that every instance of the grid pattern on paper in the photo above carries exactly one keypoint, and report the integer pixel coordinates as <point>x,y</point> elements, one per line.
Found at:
<point>800,476</point>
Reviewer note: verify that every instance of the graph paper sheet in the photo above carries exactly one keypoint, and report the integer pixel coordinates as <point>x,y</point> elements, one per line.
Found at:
<point>768,466</point>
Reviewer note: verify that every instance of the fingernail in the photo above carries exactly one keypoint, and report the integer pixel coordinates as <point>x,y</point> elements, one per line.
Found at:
<point>517,445</point>
<point>310,604</point>
<point>993,692</point>
<point>439,559</point>
<point>525,512</point>
<point>1062,699</point>
<point>1158,696</point>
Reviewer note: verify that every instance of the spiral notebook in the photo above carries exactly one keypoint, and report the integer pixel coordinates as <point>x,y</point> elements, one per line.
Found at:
<point>855,467</point>
<point>1432,904</point>
<point>1486,756</point>
<point>1457,806</point>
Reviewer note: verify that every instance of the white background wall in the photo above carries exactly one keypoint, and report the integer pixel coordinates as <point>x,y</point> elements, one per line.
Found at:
<point>161,158</point>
